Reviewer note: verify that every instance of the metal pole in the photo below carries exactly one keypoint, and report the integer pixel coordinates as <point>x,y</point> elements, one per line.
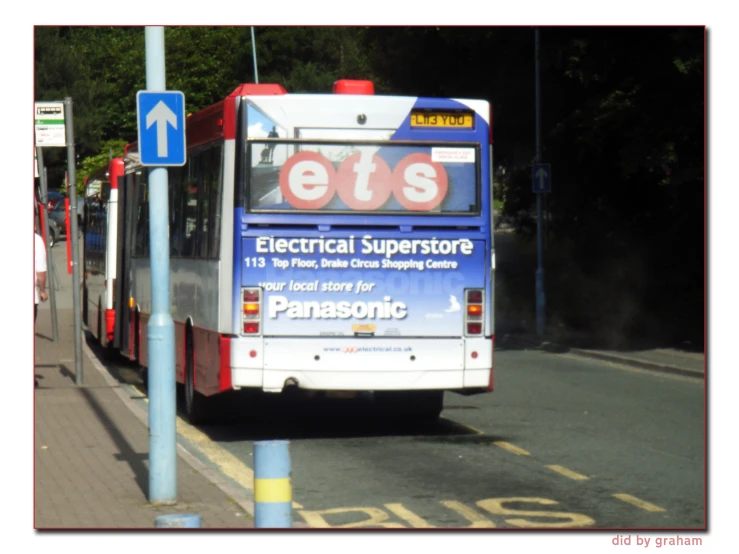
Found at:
<point>540,296</point>
<point>50,269</point>
<point>254,55</point>
<point>160,329</point>
<point>72,193</point>
<point>178,521</point>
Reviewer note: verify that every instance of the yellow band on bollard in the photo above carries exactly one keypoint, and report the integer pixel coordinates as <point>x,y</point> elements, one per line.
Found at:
<point>273,490</point>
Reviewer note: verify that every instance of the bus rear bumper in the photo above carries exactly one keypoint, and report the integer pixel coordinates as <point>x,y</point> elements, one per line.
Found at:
<point>360,364</point>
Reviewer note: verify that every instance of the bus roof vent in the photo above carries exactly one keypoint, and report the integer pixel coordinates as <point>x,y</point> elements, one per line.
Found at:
<point>348,86</point>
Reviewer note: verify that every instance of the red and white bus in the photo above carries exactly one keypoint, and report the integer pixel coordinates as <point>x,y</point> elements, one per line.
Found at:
<point>327,242</point>
<point>101,251</point>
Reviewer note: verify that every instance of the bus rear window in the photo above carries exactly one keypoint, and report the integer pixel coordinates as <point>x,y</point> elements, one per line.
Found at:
<point>378,177</point>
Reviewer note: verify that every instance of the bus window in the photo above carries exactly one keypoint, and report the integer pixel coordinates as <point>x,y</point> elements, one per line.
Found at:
<point>382,177</point>
<point>141,247</point>
<point>216,161</point>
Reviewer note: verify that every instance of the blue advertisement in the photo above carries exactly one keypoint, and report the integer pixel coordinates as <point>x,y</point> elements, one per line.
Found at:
<point>361,285</point>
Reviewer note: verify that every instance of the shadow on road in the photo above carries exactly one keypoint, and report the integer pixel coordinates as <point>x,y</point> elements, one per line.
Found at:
<point>252,415</point>
<point>617,306</point>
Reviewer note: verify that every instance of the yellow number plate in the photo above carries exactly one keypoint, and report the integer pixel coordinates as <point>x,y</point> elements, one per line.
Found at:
<point>453,120</point>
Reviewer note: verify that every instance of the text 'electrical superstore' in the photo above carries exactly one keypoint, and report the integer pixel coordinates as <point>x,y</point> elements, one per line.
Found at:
<point>386,247</point>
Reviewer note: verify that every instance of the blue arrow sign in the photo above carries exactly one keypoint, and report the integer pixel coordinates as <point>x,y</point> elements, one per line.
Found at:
<point>541,175</point>
<point>161,118</point>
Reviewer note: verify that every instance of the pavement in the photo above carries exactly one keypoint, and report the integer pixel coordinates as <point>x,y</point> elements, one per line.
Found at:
<point>91,445</point>
<point>92,442</point>
<point>92,449</point>
<point>667,360</point>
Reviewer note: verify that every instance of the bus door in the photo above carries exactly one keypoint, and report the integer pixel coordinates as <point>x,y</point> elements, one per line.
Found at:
<point>126,206</point>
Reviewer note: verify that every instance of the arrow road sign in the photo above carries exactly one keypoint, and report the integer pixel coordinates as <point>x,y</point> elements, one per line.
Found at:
<point>161,118</point>
<point>541,175</point>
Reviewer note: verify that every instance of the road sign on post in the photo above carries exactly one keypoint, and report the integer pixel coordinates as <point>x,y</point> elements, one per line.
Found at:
<point>541,175</point>
<point>161,118</point>
<point>50,127</point>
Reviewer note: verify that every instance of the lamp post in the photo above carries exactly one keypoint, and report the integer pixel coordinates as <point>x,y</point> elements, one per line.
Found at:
<point>540,295</point>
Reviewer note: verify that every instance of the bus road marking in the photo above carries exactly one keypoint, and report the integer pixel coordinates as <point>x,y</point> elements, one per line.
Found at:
<point>496,506</point>
<point>405,514</point>
<point>512,448</point>
<point>515,511</point>
<point>377,518</point>
<point>568,473</point>
<point>639,503</point>
<point>476,520</point>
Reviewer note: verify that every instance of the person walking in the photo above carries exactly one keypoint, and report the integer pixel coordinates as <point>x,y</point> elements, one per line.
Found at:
<point>39,276</point>
<point>39,273</point>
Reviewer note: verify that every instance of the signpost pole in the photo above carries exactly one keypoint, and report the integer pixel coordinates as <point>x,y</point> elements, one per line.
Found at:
<point>160,329</point>
<point>72,193</point>
<point>44,215</point>
<point>540,296</point>
<point>254,55</point>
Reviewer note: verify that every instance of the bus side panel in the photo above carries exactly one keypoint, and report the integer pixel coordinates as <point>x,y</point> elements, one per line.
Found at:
<point>194,291</point>
<point>179,350</point>
<point>126,331</point>
<point>207,361</point>
<point>226,269</point>
<point>143,340</point>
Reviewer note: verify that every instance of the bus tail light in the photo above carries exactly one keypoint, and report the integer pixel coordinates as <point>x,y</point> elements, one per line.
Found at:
<point>473,311</point>
<point>251,314</point>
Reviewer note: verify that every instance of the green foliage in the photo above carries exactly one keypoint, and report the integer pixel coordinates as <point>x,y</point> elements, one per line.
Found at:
<point>200,62</point>
<point>311,59</point>
<point>110,149</point>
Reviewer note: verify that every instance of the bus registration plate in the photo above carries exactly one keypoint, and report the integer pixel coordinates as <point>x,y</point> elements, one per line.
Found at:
<point>455,120</point>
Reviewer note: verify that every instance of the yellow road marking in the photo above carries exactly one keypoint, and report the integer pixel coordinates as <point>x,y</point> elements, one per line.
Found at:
<point>497,506</point>
<point>467,428</point>
<point>226,462</point>
<point>229,464</point>
<point>377,518</point>
<point>639,503</point>
<point>512,448</point>
<point>568,473</point>
<point>477,521</point>
<point>404,513</point>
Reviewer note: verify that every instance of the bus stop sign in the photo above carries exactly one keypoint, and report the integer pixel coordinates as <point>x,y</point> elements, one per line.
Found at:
<point>161,119</point>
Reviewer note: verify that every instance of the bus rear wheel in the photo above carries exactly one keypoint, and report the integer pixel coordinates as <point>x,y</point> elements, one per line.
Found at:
<point>196,408</point>
<point>421,405</point>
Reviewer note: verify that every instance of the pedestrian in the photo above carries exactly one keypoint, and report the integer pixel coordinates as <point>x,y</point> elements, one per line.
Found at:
<point>40,273</point>
<point>39,276</point>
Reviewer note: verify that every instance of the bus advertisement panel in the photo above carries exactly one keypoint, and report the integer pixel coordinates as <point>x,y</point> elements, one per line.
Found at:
<point>363,285</point>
